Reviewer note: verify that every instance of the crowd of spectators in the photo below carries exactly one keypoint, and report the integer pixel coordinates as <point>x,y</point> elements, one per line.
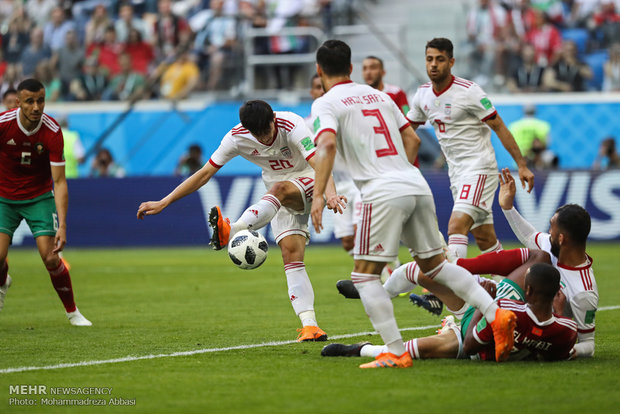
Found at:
<point>544,45</point>
<point>123,50</point>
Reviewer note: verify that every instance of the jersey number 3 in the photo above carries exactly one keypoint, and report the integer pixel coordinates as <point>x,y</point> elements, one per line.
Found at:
<point>382,129</point>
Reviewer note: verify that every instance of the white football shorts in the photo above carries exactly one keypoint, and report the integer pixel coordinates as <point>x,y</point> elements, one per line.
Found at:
<point>287,221</point>
<point>473,195</point>
<point>385,223</point>
<point>344,224</point>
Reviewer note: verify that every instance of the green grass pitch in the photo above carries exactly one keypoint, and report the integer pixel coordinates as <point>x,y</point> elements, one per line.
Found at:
<point>160,301</point>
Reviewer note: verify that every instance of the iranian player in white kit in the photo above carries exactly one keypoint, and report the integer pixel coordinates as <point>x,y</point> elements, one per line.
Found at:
<point>458,109</point>
<point>281,144</point>
<point>378,146</point>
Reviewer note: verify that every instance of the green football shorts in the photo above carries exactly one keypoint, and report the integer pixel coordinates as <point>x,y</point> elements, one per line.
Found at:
<point>39,213</point>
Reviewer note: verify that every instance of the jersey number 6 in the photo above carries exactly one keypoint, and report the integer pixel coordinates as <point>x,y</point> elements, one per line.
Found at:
<point>382,129</point>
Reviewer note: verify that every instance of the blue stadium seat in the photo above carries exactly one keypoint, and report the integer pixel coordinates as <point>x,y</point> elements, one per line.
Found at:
<point>596,60</point>
<point>579,36</point>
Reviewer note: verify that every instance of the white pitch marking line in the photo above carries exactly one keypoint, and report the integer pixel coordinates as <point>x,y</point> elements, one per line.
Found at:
<point>186,353</point>
<point>209,350</point>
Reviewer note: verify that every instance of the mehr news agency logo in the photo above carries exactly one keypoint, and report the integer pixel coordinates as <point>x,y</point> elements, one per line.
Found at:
<point>32,395</point>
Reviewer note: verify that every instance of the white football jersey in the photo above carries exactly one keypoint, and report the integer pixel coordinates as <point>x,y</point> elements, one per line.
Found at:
<point>367,124</point>
<point>457,114</point>
<point>578,285</point>
<point>287,157</point>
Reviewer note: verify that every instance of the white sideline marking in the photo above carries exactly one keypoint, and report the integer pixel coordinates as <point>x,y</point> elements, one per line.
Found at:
<point>210,350</point>
<point>187,353</point>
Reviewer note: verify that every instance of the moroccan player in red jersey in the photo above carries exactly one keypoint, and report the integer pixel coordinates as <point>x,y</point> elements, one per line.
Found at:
<point>33,187</point>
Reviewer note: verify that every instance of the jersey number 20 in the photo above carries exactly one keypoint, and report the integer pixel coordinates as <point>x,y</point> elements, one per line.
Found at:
<point>382,129</point>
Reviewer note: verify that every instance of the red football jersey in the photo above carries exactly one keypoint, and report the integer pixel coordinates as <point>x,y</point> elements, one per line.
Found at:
<point>550,340</point>
<point>25,156</point>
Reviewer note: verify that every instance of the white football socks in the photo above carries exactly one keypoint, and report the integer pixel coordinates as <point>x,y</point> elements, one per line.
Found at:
<point>257,215</point>
<point>457,243</point>
<point>403,279</point>
<point>300,292</point>
<point>464,286</point>
<point>379,309</point>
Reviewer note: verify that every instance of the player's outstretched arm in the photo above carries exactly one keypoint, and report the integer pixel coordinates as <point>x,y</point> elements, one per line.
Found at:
<point>525,232</point>
<point>191,184</point>
<point>323,164</point>
<point>61,198</point>
<point>411,141</point>
<point>525,175</point>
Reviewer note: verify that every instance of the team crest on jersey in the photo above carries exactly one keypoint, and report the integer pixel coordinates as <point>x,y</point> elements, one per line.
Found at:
<point>39,148</point>
<point>286,152</point>
<point>447,109</point>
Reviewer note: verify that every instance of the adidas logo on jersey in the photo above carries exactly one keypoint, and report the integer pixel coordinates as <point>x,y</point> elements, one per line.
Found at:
<point>11,142</point>
<point>255,152</point>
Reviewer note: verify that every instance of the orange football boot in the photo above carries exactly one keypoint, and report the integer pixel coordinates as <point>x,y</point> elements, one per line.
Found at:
<point>503,333</point>
<point>221,228</point>
<point>311,333</point>
<point>389,360</point>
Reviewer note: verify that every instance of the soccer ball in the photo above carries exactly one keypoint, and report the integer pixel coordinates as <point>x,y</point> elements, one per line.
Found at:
<point>248,249</point>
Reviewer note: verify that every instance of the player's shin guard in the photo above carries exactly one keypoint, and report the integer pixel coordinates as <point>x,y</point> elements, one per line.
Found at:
<point>258,215</point>
<point>457,243</point>
<point>4,272</point>
<point>62,283</point>
<point>499,262</point>
<point>300,292</point>
<point>464,286</point>
<point>379,309</point>
<point>402,280</point>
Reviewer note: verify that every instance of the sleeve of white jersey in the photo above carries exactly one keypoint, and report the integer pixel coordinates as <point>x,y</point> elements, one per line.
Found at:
<point>225,152</point>
<point>324,118</point>
<point>525,232</point>
<point>479,104</point>
<point>415,114</point>
<point>401,121</point>
<point>301,137</point>
<point>583,306</point>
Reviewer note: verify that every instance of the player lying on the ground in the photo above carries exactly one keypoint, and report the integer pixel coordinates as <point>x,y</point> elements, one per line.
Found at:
<point>539,334</point>
<point>565,245</point>
<point>34,188</point>
<point>279,143</point>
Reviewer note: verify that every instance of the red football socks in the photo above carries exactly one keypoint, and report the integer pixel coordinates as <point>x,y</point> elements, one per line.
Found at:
<point>62,283</point>
<point>498,263</point>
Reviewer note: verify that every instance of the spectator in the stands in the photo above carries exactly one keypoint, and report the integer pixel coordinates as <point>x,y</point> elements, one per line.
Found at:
<point>611,80</point>
<point>69,60</point>
<point>35,52</point>
<point>569,73</point>
<point>127,85</point>
<point>96,26</point>
<point>605,23</point>
<point>170,31</point>
<point>9,99</point>
<point>14,41</point>
<point>532,136</point>
<point>486,32</point>
<point>214,43</point>
<point>180,78</point>
<point>10,78</point>
<point>45,73</point>
<point>55,31</point>
<point>91,84</point>
<point>40,11</point>
<point>528,75</point>
<point>545,38</point>
<point>127,22</point>
<point>607,155</point>
<point>107,52</point>
<point>141,52</point>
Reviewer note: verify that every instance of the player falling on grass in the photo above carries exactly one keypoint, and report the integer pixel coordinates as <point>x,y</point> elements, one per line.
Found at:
<point>345,224</point>
<point>33,187</point>
<point>539,334</point>
<point>378,146</point>
<point>281,144</point>
<point>458,110</point>
<point>564,247</point>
